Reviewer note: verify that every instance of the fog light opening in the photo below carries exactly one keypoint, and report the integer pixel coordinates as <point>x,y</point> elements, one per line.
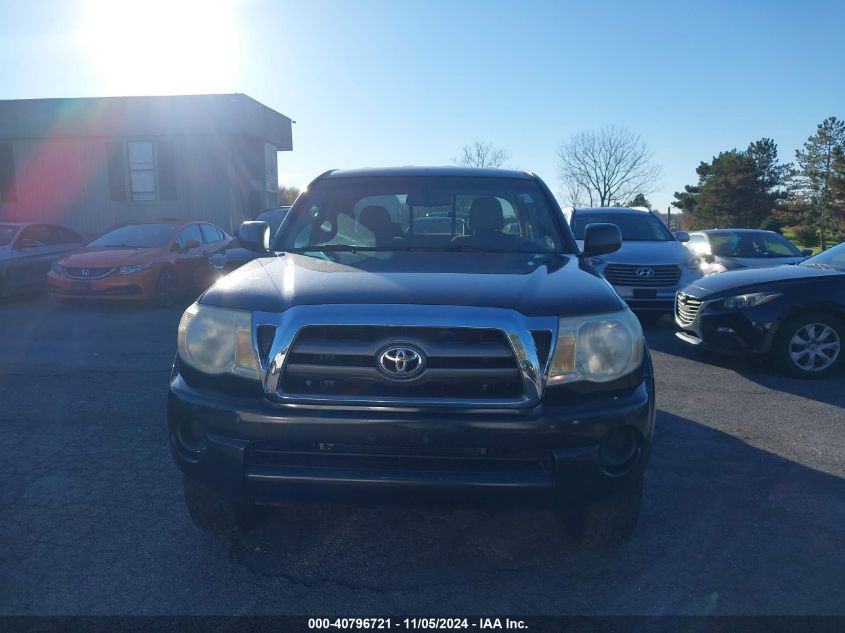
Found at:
<point>619,450</point>
<point>191,436</point>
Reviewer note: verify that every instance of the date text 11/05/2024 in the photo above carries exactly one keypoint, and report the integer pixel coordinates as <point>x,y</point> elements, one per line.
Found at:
<point>388,624</point>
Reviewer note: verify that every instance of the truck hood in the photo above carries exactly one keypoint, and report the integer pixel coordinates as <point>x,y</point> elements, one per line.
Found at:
<point>108,257</point>
<point>533,285</point>
<point>742,280</point>
<point>644,253</point>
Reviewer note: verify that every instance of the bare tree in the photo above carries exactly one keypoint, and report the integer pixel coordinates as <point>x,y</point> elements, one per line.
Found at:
<point>606,167</point>
<point>481,155</point>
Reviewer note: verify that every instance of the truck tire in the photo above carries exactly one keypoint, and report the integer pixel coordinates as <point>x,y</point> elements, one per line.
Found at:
<point>810,345</point>
<point>611,521</point>
<point>216,515</point>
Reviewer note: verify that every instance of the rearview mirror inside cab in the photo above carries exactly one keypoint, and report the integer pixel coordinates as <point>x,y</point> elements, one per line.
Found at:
<point>255,236</point>
<point>600,239</point>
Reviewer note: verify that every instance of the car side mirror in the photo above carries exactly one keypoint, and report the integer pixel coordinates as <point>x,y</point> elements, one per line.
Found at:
<point>255,236</point>
<point>709,258</point>
<point>600,239</point>
<point>807,252</point>
<point>189,244</point>
<point>682,236</point>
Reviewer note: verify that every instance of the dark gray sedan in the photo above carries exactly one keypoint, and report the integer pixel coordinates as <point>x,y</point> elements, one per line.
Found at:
<point>27,251</point>
<point>731,249</point>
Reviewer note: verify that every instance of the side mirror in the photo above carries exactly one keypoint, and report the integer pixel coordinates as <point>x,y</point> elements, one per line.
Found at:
<point>600,239</point>
<point>189,244</point>
<point>682,236</point>
<point>807,252</point>
<point>255,236</point>
<point>709,258</point>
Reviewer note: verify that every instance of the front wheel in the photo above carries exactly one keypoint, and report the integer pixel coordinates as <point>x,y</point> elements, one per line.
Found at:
<point>809,345</point>
<point>214,514</point>
<point>165,289</point>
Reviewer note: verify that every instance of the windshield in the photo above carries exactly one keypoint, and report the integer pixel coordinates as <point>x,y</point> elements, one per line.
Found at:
<point>136,236</point>
<point>635,227</point>
<point>751,244</point>
<point>273,218</point>
<point>423,213</point>
<point>7,233</point>
<point>834,257</point>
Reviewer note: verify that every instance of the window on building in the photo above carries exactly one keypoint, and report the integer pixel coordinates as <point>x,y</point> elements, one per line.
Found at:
<point>142,179</point>
<point>8,190</point>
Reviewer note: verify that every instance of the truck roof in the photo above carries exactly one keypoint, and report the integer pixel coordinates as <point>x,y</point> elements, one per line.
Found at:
<point>484,172</point>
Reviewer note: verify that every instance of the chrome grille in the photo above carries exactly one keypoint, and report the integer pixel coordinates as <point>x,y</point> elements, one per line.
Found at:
<point>686,308</point>
<point>461,363</point>
<point>87,273</point>
<point>638,275</point>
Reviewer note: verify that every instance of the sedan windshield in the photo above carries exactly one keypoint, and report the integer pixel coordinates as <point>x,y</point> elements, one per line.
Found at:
<point>751,244</point>
<point>832,257</point>
<point>423,213</point>
<point>635,227</point>
<point>7,233</point>
<point>135,236</point>
<point>273,218</point>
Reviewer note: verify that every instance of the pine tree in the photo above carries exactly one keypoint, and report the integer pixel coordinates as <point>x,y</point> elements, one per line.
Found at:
<point>811,184</point>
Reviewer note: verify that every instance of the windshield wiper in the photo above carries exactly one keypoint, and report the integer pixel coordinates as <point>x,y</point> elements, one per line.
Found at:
<point>824,266</point>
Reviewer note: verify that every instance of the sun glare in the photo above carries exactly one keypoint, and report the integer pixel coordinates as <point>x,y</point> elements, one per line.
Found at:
<point>162,46</point>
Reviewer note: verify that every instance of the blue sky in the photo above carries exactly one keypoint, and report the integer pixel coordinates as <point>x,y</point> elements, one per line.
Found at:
<point>381,83</point>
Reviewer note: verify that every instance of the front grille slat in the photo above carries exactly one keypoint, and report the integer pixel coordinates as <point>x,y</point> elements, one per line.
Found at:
<point>87,273</point>
<point>461,363</point>
<point>626,275</point>
<point>687,308</point>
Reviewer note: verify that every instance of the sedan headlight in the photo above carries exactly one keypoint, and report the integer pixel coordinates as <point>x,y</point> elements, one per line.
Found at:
<point>218,341</point>
<point>135,268</point>
<point>57,268</point>
<point>597,348</point>
<point>692,262</point>
<point>748,301</point>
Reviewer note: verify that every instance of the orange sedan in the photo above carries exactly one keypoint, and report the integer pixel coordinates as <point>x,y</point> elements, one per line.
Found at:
<point>151,261</point>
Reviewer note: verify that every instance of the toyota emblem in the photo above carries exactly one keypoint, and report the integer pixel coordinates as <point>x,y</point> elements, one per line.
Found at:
<point>401,361</point>
<point>645,272</point>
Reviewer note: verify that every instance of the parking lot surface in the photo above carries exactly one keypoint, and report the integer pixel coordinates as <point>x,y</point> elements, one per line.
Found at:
<point>744,509</point>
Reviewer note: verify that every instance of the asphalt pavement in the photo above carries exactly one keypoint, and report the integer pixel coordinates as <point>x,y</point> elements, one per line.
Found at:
<point>744,509</point>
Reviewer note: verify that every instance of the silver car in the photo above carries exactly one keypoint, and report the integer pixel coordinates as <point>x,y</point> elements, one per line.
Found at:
<point>732,249</point>
<point>653,263</point>
<point>27,252</point>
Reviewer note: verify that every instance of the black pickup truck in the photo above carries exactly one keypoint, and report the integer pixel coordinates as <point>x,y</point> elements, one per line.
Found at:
<point>416,334</point>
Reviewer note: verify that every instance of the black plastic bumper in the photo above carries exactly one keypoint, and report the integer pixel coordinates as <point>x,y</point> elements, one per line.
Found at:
<point>734,333</point>
<point>255,450</point>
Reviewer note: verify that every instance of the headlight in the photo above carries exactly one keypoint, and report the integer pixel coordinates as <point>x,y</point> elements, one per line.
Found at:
<point>748,301</point>
<point>218,341</point>
<point>597,348</point>
<point>129,270</point>
<point>693,262</point>
<point>57,268</point>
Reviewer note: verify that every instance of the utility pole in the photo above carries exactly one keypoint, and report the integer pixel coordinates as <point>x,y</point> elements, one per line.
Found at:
<point>669,217</point>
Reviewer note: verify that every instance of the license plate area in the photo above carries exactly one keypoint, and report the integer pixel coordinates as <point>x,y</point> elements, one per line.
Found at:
<point>645,293</point>
<point>81,286</point>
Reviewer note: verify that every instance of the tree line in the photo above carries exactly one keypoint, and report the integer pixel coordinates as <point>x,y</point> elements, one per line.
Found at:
<point>750,188</point>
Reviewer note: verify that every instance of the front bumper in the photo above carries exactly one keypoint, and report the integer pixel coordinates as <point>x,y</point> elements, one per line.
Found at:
<point>115,287</point>
<point>732,332</point>
<point>268,453</point>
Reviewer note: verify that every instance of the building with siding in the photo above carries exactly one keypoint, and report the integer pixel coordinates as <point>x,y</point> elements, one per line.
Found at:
<point>90,164</point>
